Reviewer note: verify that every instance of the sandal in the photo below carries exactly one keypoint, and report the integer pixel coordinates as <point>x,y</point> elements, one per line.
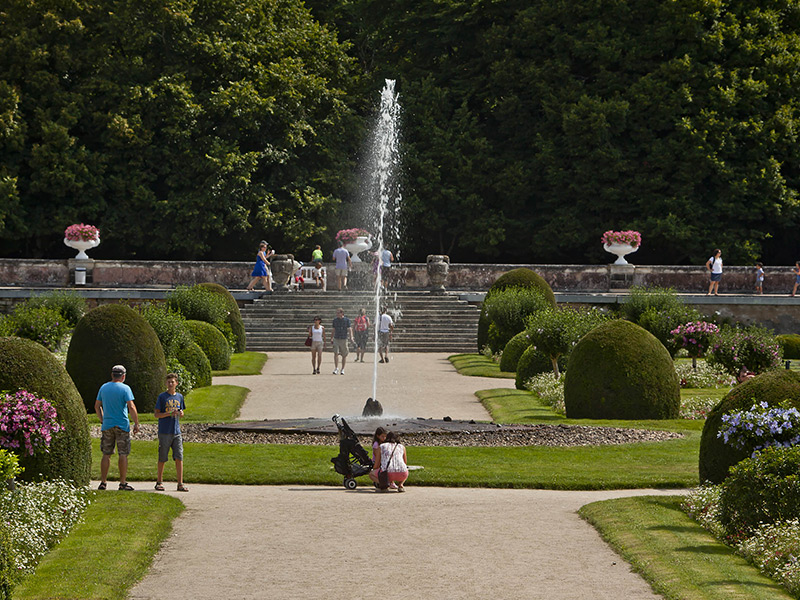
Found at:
<point>159,486</point>
<point>125,487</point>
<point>102,485</point>
<point>182,488</point>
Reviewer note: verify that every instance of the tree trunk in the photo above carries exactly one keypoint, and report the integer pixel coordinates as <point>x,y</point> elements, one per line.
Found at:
<point>555,366</point>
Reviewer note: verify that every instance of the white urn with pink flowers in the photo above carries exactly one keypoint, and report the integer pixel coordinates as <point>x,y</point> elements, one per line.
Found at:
<point>621,243</point>
<point>82,237</point>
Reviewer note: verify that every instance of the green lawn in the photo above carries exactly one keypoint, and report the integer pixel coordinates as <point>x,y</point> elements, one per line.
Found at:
<point>244,363</point>
<point>106,554</point>
<point>679,558</point>
<point>477,365</point>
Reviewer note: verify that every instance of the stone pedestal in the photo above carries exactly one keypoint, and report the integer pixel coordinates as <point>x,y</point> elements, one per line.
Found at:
<point>438,265</point>
<point>359,277</point>
<point>620,277</point>
<point>76,263</point>
<point>282,266</point>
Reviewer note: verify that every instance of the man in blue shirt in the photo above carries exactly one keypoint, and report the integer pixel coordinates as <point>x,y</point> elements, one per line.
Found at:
<point>113,405</point>
<point>343,262</point>
<point>342,331</point>
<point>169,410</point>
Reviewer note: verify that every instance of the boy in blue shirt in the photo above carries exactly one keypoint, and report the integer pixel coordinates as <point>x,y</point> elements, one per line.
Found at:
<point>169,410</point>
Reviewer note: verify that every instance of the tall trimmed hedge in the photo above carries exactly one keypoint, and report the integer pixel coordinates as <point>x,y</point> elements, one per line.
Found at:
<point>29,366</point>
<point>192,357</point>
<point>116,334</point>
<point>790,343</point>
<point>234,318</point>
<point>213,344</point>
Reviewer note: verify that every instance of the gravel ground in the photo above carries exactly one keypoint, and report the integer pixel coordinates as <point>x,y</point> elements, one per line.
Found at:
<point>514,435</point>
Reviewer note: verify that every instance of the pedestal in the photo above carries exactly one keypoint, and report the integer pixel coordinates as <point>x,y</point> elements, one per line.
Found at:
<point>87,275</point>
<point>620,277</point>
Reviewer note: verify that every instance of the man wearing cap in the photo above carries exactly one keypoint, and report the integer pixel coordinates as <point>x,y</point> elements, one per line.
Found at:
<point>114,403</point>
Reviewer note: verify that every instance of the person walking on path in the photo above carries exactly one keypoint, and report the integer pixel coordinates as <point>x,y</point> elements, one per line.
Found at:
<point>796,277</point>
<point>113,406</point>
<point>169,409</point>
<point>361,331</point>
<point>714,266</point>
<point>261,270</point>
<point>316,331</point>
<point>393,460</point>
<point>342,332</point>
<point>385,330</point>
<point>343,263</point>
<point>759,278</point>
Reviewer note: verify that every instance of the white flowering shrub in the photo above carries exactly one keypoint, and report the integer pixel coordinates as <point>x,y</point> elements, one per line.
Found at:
<point>775,549</point>
<point>697,407</point>
<point>39,515</point>
<point>705,376</point>
<point>550,389</point>
<point>702,504</point>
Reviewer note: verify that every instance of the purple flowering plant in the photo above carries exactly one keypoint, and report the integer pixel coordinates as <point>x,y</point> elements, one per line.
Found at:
<point>633,238</point>
<point>348,236</point>
<point>27,423</point>
<point>753,348</point>
<point>695,336</point>
<point>761,427</point>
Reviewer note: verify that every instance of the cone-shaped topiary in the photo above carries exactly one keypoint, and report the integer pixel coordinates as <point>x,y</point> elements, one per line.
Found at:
<point>213,344</point>
<point>772,387</point>
<point>26,365</point>
<point>791,345</point>
<point>521,277</point>
<point>234,318</point>
<point>115,334</point>
<point>513,351</point>
<point>196,362</point>
<point>532,362</point>
<point>620,371</point>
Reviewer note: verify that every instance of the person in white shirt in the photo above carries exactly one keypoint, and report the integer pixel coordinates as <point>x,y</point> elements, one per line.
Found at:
<point>714,266</point>
<point>385,329</point>
<point>391,456</point>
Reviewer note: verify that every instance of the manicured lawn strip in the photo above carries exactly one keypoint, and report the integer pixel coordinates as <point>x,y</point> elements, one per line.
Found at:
<point>244,363</point>
<point>716,393</point>
<point>676,556</point>
<point>671,464</point>
<point>477,365</point>
<point>212,404</point>
<point>109,552</point>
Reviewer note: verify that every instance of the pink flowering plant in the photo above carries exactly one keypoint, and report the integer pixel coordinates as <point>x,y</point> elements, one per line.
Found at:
<point>632,238</point>
<point>695,336</point>
<point>753,348</point>
<point>27,423</point>
<point>348,236</point>
<point>81,232</point>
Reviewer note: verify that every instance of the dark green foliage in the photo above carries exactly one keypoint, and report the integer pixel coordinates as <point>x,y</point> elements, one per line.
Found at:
<point>772,387</point>
<point>185,378</point>
<point>8,568</point>
<point>213,344</point>
<point>762,489</point>
<point>29,366</point>
<point>234,318</point>
<point>753,348</point>
<point>532,362</point>
<point>791,345</point>
<point>514,349</point>
<point>116,334</point>
<point>661,322</point>
<point>508,311</point>
<point>170,327</point>
<point>196,362</point>
<point>198,304</point>
<point>620,371</point>
<point>71,306</point>
<point>40,324</point>
<point>643,298</point>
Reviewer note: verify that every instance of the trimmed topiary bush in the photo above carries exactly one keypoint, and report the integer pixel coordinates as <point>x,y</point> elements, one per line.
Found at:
<point>620,371</point>
<point>772,387</point>
<point>116,334</point>
<point>532,362</point>
<point>196,362</point>
<point>791,345</point>
<point>29,366</point>
<point>234,318</point>
<point>522,277</point>
<point>213,344</point>
<point>513,351</point>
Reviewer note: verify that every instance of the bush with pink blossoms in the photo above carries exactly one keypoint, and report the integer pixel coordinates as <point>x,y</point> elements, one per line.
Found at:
<point>27,423</point>
<point>753,348</point>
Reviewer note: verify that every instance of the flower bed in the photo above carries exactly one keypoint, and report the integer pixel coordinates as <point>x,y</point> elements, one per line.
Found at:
<point>27,423</point>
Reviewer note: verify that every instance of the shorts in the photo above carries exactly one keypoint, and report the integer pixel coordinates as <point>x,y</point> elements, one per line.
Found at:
<point>797,279</point>
<point>317,261</point>
<point>383,339</point>
<point>167,441</point>
<point>716,276</point>
<point>361,339</point>
<point>341,272</point>
<point>340,347</point>
<point>115,436</point>
<point>318,346</point>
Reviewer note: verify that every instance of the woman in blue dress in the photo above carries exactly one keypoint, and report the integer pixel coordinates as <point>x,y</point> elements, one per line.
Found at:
<point>261,270</point>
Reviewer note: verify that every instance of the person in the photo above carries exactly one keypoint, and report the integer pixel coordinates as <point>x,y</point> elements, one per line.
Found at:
<point>169,409</point>
<point>759,278</point>
<point>744,375</point>
<point>316,256</point>
<point>386,260</point>
<point>316,331</point>
<point>114,407</point>
<point>342,332</point>
<point>343,262</point>
<point>298,277</point>
<point>361,332</point>
<point>393,460</point>
<point>318,276</point>
<point>714,266</point>
<point>796,277</point>
<point>377,439</point>
<point>261,270</point>
<point>385,329</point>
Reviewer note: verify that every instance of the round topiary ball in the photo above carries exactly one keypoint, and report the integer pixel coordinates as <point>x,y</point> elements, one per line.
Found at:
<point>115,334</point>
<point>772,387</point>
<point>531,363</point>
<point>620,371</point>
<point>790,343</point>
<point>513,351</point>
<point>196,362</point>
<point>234,318</point>
<point>521,277</point>
<point>213,344</point>
<point>26,365</point>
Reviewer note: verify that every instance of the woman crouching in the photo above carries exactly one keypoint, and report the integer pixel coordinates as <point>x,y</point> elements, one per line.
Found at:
<point>391,455</point>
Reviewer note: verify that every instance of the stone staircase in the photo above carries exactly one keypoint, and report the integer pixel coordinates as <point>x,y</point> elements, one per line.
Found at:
<point>423,322</point>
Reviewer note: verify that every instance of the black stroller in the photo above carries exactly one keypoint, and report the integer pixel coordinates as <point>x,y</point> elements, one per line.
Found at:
<point>353,461</point>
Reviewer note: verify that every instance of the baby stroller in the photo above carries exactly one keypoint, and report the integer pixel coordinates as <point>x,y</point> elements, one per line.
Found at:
<point>353,461</point>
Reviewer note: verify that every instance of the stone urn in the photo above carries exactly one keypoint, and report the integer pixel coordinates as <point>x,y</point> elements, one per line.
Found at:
<point>82,246</point>
<point>438,267</point>
<point>282,266</point>
<point>363,242</point>
<point>620,250</point>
